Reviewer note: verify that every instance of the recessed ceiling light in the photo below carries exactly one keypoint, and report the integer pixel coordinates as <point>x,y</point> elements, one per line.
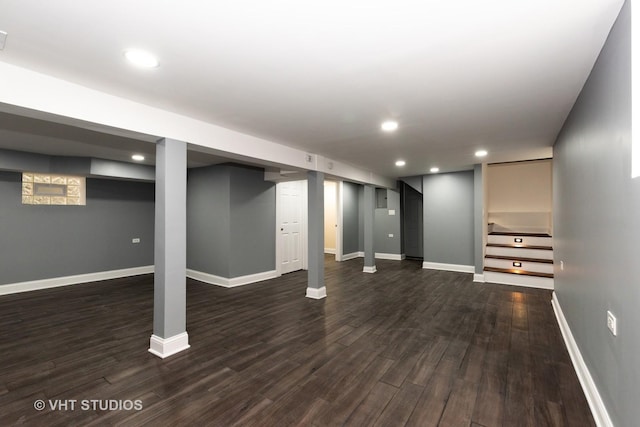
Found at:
<point>401,163</point>
<point>434,170</point>
<point>389,126</point>
<point>481,153</point>
<point>141,58</point>
<point>137,157</point>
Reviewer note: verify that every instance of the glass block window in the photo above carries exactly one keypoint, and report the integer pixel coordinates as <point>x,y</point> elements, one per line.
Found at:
<point>53,189</point>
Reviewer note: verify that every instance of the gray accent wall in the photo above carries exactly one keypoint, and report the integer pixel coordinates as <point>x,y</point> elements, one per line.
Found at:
<point>253,222</point>
<point>230,221</point>
<point>385,224</point>
<point>43,242</point>
<point>360,218</point>
<point>350,218</point>
<point>449,218</point>
<point>597,227</point>
<point>20,161</point>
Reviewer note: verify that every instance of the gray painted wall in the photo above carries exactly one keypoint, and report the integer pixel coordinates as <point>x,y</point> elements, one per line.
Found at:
<point>253,222</point>
<point>414,182</point>
<point>360,218</point>
<point>350,218</point>
<point>449,218</point>
<point>20,161</point>
<point>41,242</point>
<point>385,224</point>
<point>230,221</point>
<point>208,220</point>
<point>596,206</point>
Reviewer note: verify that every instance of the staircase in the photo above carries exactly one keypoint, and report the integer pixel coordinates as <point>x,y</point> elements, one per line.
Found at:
<point>522,259</point>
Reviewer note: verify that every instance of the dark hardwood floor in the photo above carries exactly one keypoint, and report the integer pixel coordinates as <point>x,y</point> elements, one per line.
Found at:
<point>403,346</point>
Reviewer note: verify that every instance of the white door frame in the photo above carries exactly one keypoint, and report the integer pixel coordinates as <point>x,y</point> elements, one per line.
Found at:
<point>303,232</point>
<point>339,190</point>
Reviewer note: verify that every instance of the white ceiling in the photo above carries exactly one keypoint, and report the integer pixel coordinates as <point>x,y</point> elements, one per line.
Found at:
<point>321,76</point>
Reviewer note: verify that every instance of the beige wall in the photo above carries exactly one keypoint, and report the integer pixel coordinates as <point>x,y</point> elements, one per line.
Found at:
<point>330,215</point>
<point>520,194</point>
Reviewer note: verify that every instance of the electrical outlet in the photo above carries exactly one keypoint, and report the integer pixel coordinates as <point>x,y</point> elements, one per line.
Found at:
<point>135,240</point>
<point>390,235</point>
<point>612,323</point>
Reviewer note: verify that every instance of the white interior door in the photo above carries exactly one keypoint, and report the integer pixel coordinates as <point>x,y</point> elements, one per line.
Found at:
<point>291,218</point>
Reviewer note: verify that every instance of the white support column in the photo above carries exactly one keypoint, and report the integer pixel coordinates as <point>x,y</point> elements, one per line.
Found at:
<point>315,194</point>
<point>169,302</point>
<point>369,215</point>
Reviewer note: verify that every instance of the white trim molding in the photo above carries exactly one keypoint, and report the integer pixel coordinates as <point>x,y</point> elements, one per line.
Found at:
<point>331,251</point>
<point>369,269</point>
<point>55,282</point>
<point>478,278</point>
<point>352,255</point>
<point>233,281</point>
<point>449,267</point>
<point>394,257</point>
<point>315,293</point>
<point>165,347</point>
<point>599,411</point>
<point>377,255</point>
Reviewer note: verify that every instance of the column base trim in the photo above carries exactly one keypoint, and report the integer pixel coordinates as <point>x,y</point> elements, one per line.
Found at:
<point>599,411</point>
<point>478,278</point>
<point>165,347</point>
<point>369,269</point>
<point>315,293</point>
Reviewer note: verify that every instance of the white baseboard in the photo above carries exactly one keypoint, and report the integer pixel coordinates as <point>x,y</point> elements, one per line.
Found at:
<point>478,278</point>
<point>449,267</point>
<point>315,293</point>
<point>599,411</point>
<point>233,281</point>
<point>377,255</point>
<point>369,269</point>
<point>55,282</point>
<point>165,347</point>
<point>331,251</point>
<point>353,255</point>
<point>395,257</point>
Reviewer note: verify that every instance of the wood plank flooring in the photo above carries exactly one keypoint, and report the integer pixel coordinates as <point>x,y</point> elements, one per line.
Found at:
<point>401,347</point>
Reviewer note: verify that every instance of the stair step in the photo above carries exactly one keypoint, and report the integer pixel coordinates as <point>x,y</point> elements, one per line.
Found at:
<point>518,280</point>
<point>518,272</point>
<point>525,266</point>
<point>509,239</point>
<point>501,245</point>
<point>507,233</point>
<point>520,259</point>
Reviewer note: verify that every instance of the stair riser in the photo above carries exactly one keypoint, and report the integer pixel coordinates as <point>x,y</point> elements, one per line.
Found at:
<point>518,280</point>
<point>526,265</point>
<point>519,252</point>
<point>527,241</point>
